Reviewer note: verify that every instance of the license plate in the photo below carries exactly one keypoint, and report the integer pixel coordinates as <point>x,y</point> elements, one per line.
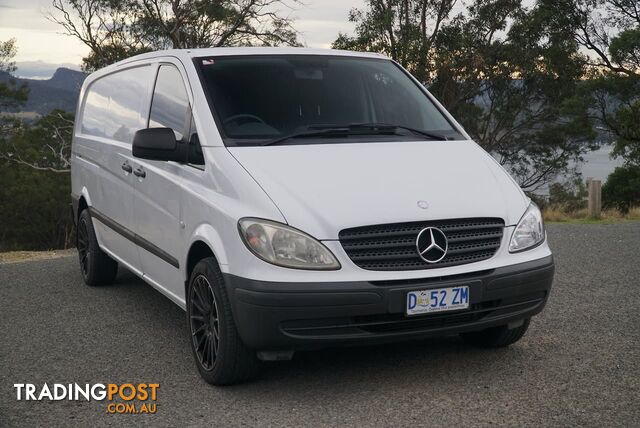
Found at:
<point>437,300</point>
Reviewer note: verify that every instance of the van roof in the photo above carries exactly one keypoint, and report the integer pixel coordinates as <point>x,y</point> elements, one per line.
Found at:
<point>187,54</point>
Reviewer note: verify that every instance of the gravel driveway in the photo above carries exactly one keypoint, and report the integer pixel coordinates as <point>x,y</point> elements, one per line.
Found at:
<point>578,365</point>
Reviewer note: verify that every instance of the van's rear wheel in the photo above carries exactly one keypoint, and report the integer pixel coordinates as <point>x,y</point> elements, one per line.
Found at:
<point>221,357</point>
<point>496,337</point>
<point>96,266</point>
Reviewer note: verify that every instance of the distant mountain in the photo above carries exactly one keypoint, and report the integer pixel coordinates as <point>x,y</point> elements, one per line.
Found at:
<point>67,79</point>
<point>60,91</point>
<point>40,69</point>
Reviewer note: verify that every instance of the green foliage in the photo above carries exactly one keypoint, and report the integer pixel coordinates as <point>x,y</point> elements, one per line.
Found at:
<point>625,123</point>
<point>625,48</point>
<point>34,196</point>
<point>612,38</point>
<point>45,146</point>
<point>34,207</point>
<point>34,201</point>
<point>406,30</point>
<point>117,29</point>
<point>11,94</point>
<point>614,101</point>
<point>569,196</point>
<point>622,189</point>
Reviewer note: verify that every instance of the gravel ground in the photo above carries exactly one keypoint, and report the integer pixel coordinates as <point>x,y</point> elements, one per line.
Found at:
<point>578,365</point>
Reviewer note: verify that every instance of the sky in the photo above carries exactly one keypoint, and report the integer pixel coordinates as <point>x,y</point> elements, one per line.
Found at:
<point>41,47</point>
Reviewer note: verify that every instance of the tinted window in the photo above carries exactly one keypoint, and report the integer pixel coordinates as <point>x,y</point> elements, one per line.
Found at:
<point>269,96</point>
<point>116,105</point>
<point>170,105</point>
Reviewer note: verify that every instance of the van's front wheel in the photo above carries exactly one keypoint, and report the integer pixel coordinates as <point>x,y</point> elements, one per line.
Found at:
<point>221,357</point>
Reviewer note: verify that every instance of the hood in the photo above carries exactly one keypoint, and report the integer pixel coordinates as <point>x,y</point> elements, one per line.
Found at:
<point>324,188</point>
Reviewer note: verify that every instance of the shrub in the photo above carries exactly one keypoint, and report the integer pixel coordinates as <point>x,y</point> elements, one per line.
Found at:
<point>569,196</point>
<point>622,189</point>
<point>34,208</point>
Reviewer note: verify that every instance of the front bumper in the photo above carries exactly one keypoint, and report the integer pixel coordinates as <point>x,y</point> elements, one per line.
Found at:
<point>285,316</point>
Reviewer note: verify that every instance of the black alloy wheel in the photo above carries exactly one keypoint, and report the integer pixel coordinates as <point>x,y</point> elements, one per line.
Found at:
<point>83,246</point>
<point>96,266</point>
<point>219,353</point>
<point>205,322</point>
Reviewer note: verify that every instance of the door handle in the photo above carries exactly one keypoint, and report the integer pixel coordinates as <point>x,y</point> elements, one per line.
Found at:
<point>139,172</point>
<point>126,167</point>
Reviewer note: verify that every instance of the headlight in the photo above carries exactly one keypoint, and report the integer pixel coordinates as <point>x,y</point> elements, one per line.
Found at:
<point>529,232</point>
<point>285,246</point>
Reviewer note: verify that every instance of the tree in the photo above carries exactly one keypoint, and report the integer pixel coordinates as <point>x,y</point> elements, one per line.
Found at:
<point>610,31</point>
<point>11,94</point>
<point>596,20</point>
<point>622,189</point>
<point>569,196</point>
<point>406,30</point>
<point>34,207</point>
<point>34,203</point>
<point>116,29</point>
<point>509,75</point>
<point>45,146</point>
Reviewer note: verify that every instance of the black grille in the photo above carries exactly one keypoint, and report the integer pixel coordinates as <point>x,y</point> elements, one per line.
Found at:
<point>393,246</point>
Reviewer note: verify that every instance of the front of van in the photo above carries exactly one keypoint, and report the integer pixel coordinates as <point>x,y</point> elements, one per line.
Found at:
<point>392,224</point>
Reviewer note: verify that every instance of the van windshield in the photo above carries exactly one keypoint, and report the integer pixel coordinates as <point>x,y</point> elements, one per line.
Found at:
<point>313,99</point>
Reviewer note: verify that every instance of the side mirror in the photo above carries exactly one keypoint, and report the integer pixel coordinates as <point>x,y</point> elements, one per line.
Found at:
<point>157,144</point>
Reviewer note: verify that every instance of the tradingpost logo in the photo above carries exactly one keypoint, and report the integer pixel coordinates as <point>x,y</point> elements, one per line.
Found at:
<point>125,398</point>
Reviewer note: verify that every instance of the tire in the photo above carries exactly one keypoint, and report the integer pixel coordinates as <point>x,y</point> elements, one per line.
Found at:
<point>496,337</point>
<point>219,353</point>
<point>96,266</point>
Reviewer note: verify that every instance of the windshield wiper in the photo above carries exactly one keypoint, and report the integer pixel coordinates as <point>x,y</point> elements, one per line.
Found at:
<point>388,126</point>
<point>342,130</point>
<point>384,128</point>
<point>332,131</point>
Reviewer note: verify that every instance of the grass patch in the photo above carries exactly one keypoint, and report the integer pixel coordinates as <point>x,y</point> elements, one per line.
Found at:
<point>27,256</point>
<point>556,214</point>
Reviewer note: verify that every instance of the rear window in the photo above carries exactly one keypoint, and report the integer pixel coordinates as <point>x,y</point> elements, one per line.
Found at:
<point>116,105</point>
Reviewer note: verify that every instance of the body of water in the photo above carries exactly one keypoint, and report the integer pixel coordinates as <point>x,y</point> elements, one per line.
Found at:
<point>598,164</point>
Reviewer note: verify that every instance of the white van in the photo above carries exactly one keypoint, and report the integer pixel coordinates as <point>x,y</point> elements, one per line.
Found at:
<point>292,199</point>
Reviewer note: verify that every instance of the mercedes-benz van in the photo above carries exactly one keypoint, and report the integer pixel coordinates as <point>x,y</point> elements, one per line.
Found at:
<point>293,199</point>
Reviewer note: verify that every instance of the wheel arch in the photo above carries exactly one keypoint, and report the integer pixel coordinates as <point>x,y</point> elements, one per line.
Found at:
<point>84,201</point>
<point>78,204</point>
<point>199,250</point>
<point>205,243</point>
<point>82,205</point>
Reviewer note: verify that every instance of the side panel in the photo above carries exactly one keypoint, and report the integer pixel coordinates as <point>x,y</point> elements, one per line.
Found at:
<point>159,194</point>
<point>158,211</point>
<point>113,108</point>
<point>113,199</point>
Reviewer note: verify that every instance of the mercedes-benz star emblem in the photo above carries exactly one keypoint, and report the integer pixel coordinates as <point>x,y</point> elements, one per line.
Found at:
<point>432,244</point>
